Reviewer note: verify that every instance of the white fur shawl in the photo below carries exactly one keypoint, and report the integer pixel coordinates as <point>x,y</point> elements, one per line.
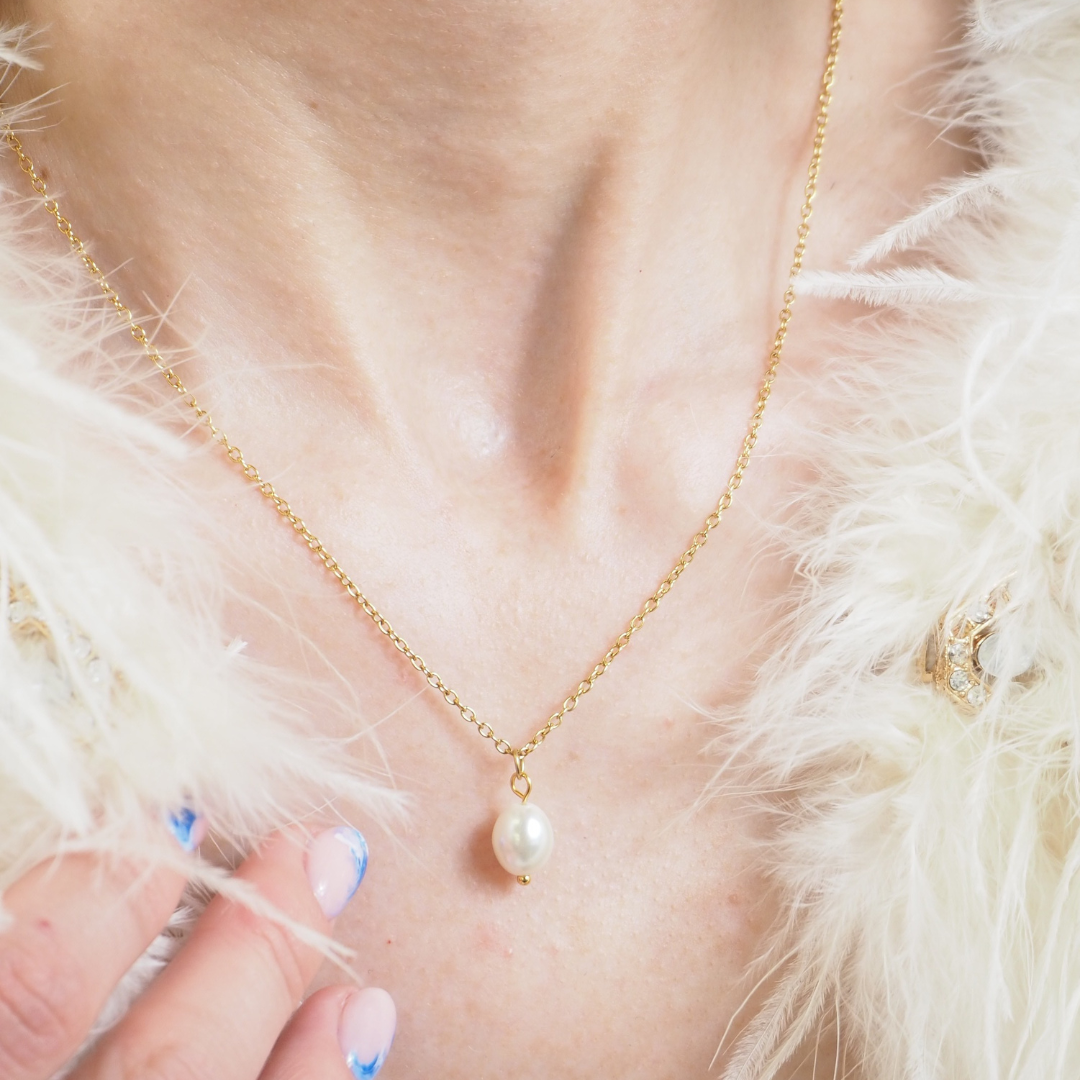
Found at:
<point>927,855</point>
<point>121,700</point>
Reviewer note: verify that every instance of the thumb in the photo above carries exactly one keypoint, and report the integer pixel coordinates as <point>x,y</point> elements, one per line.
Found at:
<point>337,1034</point>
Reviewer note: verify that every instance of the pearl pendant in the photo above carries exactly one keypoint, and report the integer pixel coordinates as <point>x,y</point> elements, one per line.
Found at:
<point>522,839</point>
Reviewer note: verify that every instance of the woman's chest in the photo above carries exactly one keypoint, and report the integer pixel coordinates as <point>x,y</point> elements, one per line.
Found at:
<point>626,954</point>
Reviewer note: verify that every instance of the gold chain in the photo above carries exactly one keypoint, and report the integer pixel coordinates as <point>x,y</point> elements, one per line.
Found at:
<point>288,515</point>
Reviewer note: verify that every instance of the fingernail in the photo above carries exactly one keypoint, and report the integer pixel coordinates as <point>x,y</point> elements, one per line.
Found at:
<point>336,863</point>
<point>366,1031</point>
<point>188,827</point>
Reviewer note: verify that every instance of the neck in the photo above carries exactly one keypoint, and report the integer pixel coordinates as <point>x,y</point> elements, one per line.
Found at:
<point>490,198</point>
<point>435,109</point>
<point>481,123</point>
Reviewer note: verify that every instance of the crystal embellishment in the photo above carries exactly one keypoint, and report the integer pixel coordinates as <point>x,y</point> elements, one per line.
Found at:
<point>959,651</point>
<point>97,671</point>
<point>977,696</point>
<point>19,612</point>
<point>979,613</point>
<point>81,648</point>
<point>959,680</point>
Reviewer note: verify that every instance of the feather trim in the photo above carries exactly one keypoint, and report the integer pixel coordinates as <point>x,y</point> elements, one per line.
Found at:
<point>929,855</point>
<point>901,287</point>
<point>965,195</point>
<point>115,561</point>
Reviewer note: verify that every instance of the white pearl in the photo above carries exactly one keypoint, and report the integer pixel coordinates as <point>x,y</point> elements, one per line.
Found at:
<point>996,660</point>
<point>522,839</point>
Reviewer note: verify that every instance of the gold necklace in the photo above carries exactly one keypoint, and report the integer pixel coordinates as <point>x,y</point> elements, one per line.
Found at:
<point>522,837</point>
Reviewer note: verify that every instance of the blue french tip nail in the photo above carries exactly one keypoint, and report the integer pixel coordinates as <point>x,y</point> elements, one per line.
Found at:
<point>336,863</point>
<point>366,1031</point>
<point>188,827</point>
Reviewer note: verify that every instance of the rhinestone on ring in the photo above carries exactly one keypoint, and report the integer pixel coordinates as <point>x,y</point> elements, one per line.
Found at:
<point>964,656</point>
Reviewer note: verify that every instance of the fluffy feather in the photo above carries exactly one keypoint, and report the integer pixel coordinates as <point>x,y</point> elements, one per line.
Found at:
<point>928,858</point>
<point>901,286</point>
<point>966,194</point>
<point>116,558</point>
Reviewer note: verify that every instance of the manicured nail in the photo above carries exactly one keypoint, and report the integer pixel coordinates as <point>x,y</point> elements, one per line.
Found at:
<point>336,863</point>
<point>188,827</point>
<point>366,1031</point>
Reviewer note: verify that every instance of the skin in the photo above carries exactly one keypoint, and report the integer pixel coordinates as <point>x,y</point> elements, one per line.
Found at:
<point>78,924</point>
<point>486,288</point>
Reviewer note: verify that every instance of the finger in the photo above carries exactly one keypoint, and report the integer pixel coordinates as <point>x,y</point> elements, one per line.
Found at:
<point>338,1033</point>
<point>219,1007</point>
<point>79,923</point>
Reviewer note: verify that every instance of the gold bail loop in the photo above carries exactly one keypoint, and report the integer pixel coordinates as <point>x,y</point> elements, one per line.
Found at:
<point>520,784</point>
